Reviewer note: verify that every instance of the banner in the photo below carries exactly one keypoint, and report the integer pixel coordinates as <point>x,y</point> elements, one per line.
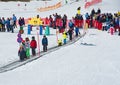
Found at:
<point>49,7</point>
<point>93,2</point>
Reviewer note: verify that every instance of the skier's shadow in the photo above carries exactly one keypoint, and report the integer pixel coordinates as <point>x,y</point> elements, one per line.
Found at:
<point>88,44</point>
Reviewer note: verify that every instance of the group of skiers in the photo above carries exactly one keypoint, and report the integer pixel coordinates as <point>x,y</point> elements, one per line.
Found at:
<point>103,21</point>
<point>21,21</point>
<point>11,23</point>
<point>26,45</point>
<point>8,24</point>
<point>24,50</point>
<point>57,21</point>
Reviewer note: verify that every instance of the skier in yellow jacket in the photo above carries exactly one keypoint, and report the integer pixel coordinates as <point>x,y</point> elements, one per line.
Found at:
<point>64,35</point>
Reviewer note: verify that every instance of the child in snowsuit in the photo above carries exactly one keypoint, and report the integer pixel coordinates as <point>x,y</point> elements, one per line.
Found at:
<point>27,44</point>
<point>44,43</point>
<point>111,30</point>
<point>33,45</point>
<point>64,37</point>
<point>59,42</point>
<point>21,53</point>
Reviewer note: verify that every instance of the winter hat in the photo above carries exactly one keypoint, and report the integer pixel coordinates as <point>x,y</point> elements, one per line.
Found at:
<point>44,36</point>
<point>27,39</point>
<point>33,38</point>
<point>23,41</point>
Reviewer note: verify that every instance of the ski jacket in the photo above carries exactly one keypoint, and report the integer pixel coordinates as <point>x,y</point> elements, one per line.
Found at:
<point>22,51</point>
<point>44,41</point>
<point>20,22</point>
<point>33,44</point>
<point>27,44</point>
<point>14,18</point>
<point>71,25</point>
<point>64,35</point>
<point>11,22</point>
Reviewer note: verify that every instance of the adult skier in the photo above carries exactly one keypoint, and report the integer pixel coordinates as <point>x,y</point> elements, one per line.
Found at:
<point>15,20</point>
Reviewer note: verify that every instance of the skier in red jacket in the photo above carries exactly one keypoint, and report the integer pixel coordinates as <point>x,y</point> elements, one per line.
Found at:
<point>33,45</point>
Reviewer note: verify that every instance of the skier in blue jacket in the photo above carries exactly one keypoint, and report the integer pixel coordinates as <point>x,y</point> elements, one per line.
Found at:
<point>44,43</point>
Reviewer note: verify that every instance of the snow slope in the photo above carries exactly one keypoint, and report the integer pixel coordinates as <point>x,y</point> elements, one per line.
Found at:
<point>72,65</point>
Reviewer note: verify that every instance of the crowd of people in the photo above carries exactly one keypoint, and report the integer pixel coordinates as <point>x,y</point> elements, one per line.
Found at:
<point>26,45</point>
<point>103,21</point>
<point>68,28</point>
<point>9,24</point>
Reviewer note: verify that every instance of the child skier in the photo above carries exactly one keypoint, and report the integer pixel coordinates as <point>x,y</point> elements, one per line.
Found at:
<point>21,53</point>
<point>44,43</point>
<point>59,42</point>
<point>111,30</point>
<point>64,37</point>
<point>27,44</point>
<point>33,45</point>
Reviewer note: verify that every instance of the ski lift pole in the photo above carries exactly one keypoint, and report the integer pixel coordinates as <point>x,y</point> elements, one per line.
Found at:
<point>38,44</point>
<point>84,27</point>
<point>56,34</point>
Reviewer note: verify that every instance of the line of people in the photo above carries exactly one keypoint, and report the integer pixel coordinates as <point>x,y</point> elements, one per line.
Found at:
<point>103,21</point>
<point>8,24</point>
<point>93,20</point>
<point>26,45</point>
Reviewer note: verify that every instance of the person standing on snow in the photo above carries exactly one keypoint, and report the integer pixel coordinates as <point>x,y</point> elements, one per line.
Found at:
<point>3,24</point>
<point>70,32</point>
<point>20,22</point>
<point>27,44</point>
<point>99,11</point>
<point>64,20</point>
<point>11,25</point>
<point>59,42</point>
<point>119,27</point>
<point>66,1</point>
<point>64,35</point>
<point>71,28</point>
<point>92,12</point>
<point>8,24</point>
<point>33,45</point>
<point>15,20</point>
<point>22,53</point>
<point>44,43</point>
<point>0,24</point>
